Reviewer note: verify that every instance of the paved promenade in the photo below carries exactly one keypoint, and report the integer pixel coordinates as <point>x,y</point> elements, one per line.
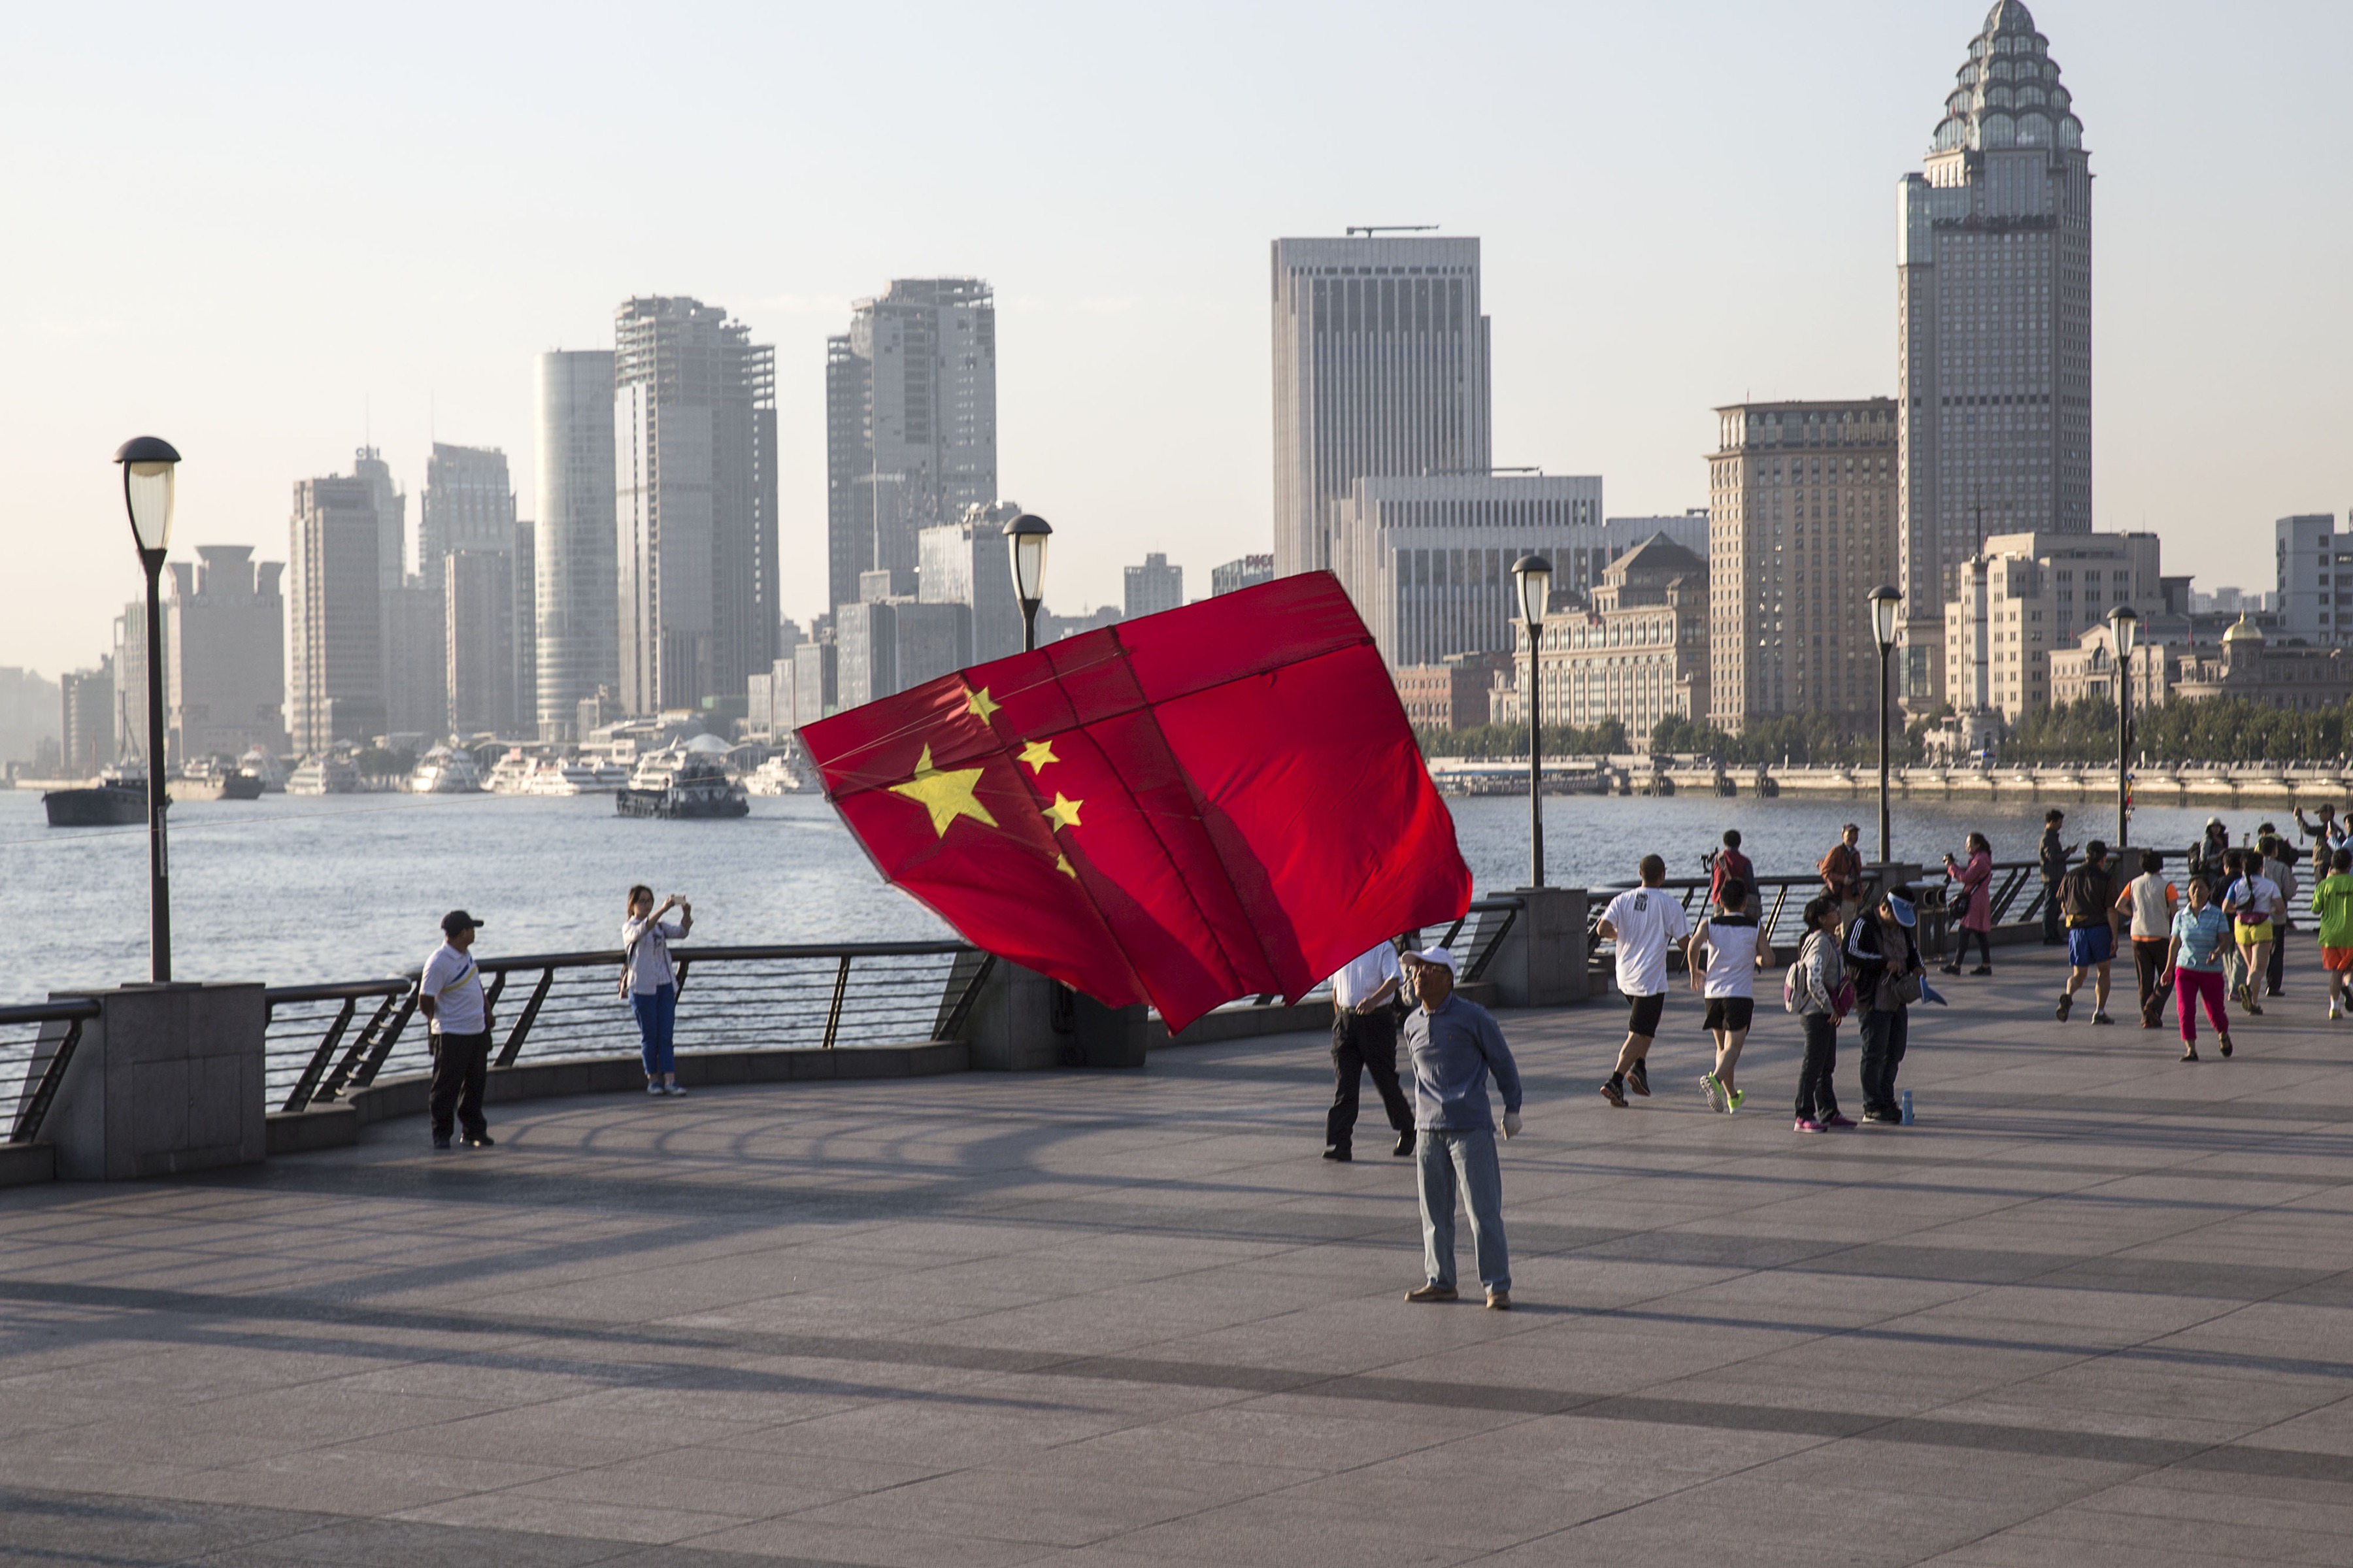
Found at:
<point>2091,1310</point>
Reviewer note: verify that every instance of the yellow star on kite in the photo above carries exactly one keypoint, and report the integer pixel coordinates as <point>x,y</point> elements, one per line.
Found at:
<point>1062,863</point>
<point>1064,812</point>
<point>946,796</point>
<point>1037,753</point>
<point>978,705</point>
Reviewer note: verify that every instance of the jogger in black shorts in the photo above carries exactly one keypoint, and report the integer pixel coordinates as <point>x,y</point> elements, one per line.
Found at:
<point>1641,921</point>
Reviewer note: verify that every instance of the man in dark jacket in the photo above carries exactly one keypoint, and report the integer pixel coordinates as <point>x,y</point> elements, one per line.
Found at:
<point>1884,963</point>
<point>2087,897</point>
<point>2054,856</point>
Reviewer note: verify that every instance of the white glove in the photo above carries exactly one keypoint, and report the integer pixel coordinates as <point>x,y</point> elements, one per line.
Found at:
<point>1511,1124</point>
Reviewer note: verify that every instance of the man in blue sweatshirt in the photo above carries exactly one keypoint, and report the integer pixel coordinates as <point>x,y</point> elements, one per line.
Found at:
<point>1455,1045</point>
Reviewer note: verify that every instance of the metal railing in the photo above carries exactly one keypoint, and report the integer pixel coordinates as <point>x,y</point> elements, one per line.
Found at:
<point>36,1045</point>
<point>324,1041</point>
<point>1488,921</point>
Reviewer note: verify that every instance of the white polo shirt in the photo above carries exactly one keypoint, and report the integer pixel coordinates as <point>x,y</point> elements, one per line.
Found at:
<point>1363,975</point>
<point>454,982</point>
<point>1646,918</point>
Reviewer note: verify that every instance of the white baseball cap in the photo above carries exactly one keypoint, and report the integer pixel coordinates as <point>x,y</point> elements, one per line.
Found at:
<point>1444,955</point>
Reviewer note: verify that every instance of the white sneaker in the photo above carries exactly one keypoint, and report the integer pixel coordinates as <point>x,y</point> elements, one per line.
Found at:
<point>653,1087</point>
<point>2333,1012</point>
<point>673,1089</point>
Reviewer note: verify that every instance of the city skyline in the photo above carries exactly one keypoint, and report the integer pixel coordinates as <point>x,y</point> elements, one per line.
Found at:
<point>1623,279</point>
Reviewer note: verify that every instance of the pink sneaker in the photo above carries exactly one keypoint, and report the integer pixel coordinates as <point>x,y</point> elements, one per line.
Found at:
<point>1837,1120</point>
<point>1807,1124</point>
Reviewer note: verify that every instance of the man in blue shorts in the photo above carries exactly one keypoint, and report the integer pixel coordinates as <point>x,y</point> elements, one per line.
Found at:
<point>2087,899</point>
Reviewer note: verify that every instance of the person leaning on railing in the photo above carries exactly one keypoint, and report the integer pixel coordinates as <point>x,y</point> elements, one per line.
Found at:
<point>450,995</point>
<point>650,981</point>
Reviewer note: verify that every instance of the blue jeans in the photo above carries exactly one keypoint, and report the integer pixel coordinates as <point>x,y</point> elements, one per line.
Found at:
<point>657,1014</point>
<point>1441,1161</point>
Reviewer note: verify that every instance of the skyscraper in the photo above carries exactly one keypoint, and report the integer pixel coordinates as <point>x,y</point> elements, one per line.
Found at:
<point>1993,327</point>
<point>911,425</point>
<point>1152,587</point>
<point>478,599</point>
<point>223,655</point>
<point>967,562</point>
<point>391,513</point>
<point>334,629</point>
<point>694,432</point>
<point>468,505</point>
<point>1380,369</point>
<point>577,603</point>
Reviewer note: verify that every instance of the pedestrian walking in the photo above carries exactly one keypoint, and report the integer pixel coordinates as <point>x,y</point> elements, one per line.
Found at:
<point>2087,897</point>
<point>1817,992</point>
<point>2279,865</point>
<point>1973,882</point>
<point>1726,951</point>
<point>2201,939</point>
<point>1641,921</point>
<point>1842,872</point>
<point>2207,857</point>
<point>450,995</point>
<point>649,979</point>
<point>1730,866</point>
<point>2053,856</point>
<point>2332,902</point>
<point>1455,1046</point>
<point>1365,1039</point>
<point>2250,901</point>
<point>1884,961</point>
<point>2149,902</point>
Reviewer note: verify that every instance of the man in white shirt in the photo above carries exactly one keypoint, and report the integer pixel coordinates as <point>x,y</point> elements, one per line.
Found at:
<point>450,995</point>
<point>1641,921</point>
<point>1365,1039</point>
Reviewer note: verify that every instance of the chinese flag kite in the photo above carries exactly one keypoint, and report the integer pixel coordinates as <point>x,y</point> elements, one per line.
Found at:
<point>1214,802</point>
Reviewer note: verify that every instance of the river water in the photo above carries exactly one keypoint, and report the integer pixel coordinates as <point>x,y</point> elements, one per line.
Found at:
<point>295,890</point>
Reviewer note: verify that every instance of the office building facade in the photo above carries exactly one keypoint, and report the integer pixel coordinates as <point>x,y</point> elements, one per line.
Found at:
<point>1802,505</point>
<point>390,504</point>
<point>695,432</point>
<point>1152,587</point>
<point>87,725</point>
<point>1243,572</point>
<point>2025,595</point>
<point>469,504</point>
<point>416,661</point>
<point>577,572</point>
<point>2314,598</point>
<point>1638,654</point>
<point>969,563</point>
<point>223,655</point>
<point>335,614</point>
<point>911,425</point>
<point>1380,371</point>
<point>1993,326</point>
<point>478,599</point>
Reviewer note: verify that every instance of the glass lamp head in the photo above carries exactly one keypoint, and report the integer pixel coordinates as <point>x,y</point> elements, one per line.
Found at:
<point>1029,534</point>
<point>1885,601</point>
<point>148,465</point>
<point>1534,574</point>
<point>2124,626</point>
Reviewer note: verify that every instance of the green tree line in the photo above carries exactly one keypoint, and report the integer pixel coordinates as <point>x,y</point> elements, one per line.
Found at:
<point>2208,729</point>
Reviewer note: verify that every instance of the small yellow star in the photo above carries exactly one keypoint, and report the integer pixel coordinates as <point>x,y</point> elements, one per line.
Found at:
<point>1037,753</point>
<point>1062,863</point>
<point>1064,812</point>
<point>980,707</point>
<point>946,796</point>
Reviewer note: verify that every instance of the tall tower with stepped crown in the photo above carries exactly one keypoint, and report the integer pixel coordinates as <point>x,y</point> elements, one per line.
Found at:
<point>1993,269</point>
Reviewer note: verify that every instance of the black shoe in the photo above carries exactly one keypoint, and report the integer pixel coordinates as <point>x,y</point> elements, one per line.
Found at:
<point>1982,969</point>
<point>1895,1117</point>
<point>2066,1004</point>
<point>1614,1094</point>
<point>2224,1045</point>
<point>1948,969</point>
<point>1638,1078</point>
<point>440,1140</point>
<point>1404,1150</point>
<point>478,1141</point>
<point>2190,1055</point>
<point>1336,1152</point>
<point>2101,1019</point>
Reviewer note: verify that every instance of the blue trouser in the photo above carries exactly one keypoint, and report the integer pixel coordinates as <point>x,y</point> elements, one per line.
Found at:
<point>1443,1160</point>
<point>657,1014</point>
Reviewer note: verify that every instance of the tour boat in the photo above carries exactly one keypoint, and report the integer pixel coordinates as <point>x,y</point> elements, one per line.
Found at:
<point>259,763</point>
<point>559,775</point>
<point>446,769</point>
<point>323,774</point>
<point>695,785</point>
<point>118,799</point>
<point>207,778</point>
<point>511,774</point>
<point>785,773</point>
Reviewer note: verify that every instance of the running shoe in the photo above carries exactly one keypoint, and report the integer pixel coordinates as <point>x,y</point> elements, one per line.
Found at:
<point>2066,1004</point>
<point>2101,1019</point>
<point>1611,1093</point>
<point>1733,1098</point>
<point>1714,1092</point>
<point>2190,1055</point>
<point>2333,1013</point>
<point>1835,1119</point>
<point>2225,1044</point>
<point>1807,1124</point>
<point>1638,1078</point>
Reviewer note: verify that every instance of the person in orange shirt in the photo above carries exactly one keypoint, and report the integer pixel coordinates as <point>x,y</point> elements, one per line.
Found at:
<point>2152,902</point>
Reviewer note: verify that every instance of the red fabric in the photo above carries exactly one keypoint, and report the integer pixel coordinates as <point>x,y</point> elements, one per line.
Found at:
<point>1251,810</point>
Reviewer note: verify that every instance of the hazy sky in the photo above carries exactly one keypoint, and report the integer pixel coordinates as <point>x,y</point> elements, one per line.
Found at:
<point>268,234</point>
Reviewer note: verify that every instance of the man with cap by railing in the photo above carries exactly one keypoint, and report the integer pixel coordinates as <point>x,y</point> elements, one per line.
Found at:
<point>450,995</point>
<point>1455,1045</point>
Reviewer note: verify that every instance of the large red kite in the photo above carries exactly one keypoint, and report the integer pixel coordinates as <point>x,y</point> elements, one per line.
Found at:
<point>1214,802</point>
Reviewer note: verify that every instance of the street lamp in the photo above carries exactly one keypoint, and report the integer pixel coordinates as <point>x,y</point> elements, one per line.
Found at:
<point>1535,575</point>
<point>2124,629</point>
<point>1886,600</point>
<point>148,463</point>
<point>1028,534</point>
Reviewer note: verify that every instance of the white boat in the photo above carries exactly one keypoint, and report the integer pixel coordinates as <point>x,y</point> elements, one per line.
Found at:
<point>511,774</point>
<point>324,775</point>
<point>265,766</point>
<point>787,772</point>
<point>559,775</point>
<point>446,769</point>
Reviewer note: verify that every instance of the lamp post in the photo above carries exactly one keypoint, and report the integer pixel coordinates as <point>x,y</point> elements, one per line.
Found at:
<point>1029,534</point>
<point>2124,629</point>
<point>1535,575</point>
<point>1884,601</point>
<point>148,465</point>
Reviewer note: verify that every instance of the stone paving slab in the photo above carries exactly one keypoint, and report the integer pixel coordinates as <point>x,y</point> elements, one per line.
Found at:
<point>2095,1307</point>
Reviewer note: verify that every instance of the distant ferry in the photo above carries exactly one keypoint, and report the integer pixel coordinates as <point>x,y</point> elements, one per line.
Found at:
<point>512,774</point>
<point>556,776</point>
<point>118,799</point>
<point>205,779</point>
<point>693,784</point>
<point>787,772</point>
<point>446,769</point>
<point>324,774</point>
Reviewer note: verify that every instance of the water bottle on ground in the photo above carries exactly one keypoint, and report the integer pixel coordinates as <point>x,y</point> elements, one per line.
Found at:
<point>1907,1108</point>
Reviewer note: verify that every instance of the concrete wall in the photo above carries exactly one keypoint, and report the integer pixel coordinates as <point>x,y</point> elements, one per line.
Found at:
<point>167,1079</point>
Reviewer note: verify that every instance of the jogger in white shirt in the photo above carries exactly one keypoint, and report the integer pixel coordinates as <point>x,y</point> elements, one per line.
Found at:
<point>1725,953</point>
<point>1641,921</point>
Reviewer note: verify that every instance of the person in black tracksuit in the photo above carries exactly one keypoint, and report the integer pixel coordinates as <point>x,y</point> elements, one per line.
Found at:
<point>2053,857</point>
<point>1881,956</point>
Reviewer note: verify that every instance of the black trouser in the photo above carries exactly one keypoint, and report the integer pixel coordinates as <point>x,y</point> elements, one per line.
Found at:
<point>2149,964</point>
<point>2278,965</point>
<point>461,1065</point>
<point>1882,1052</point>
<point>1816,1100</point>
<point>1985,948</point>
<point>1361,1043</point>
<point>2050,932</point>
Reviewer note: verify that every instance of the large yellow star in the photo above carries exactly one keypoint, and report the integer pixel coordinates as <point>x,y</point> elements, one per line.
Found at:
<point>1037,753</point>
<point>1064,812</point>
<point>946,796</point>
<point>978,705</point>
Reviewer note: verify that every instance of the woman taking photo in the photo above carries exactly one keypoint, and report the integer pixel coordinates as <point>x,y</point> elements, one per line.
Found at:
<point>1971,885</point>
<point>651,982</point>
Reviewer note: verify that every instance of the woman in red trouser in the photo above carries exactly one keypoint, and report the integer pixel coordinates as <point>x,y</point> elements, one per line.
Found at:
<point>2193,966</point>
